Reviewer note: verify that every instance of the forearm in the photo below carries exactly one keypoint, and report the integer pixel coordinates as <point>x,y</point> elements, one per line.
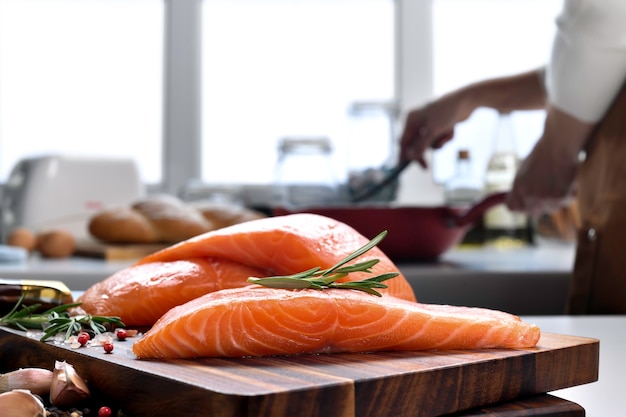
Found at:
<point>567,135</point>
<point>523,91</point>
<point>433,125</point>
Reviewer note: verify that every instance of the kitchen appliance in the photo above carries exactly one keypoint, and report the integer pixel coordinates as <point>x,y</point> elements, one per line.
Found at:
<point>65,191</point>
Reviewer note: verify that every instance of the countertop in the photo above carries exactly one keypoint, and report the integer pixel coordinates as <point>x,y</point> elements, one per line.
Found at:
<point>77,273</point>
<point>531,280</point>
<point>604,398</point>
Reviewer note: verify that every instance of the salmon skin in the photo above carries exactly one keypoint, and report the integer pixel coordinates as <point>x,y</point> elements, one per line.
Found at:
<point>259,321</point>
<point>225,258</point>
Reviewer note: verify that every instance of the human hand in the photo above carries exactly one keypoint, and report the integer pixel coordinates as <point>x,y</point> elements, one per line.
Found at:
<point>545,180</point>
<point>430,127</point>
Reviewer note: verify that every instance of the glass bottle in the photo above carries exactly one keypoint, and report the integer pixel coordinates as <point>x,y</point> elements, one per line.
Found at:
<point>304,173</point>
<point>504,227</point>
<point>464,188</point>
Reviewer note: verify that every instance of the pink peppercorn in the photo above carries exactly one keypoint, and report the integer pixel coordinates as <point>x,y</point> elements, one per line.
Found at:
<point>105,412</point>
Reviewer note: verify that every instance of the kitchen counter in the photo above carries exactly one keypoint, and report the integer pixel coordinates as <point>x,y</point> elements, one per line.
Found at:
<point>604,398</point>
<point>77,273</point>
<point>531,281</point>
<point>524,281</point>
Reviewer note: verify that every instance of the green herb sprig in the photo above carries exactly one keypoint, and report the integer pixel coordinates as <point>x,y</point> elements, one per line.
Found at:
<point>55,320</point>
<point>320,279</point>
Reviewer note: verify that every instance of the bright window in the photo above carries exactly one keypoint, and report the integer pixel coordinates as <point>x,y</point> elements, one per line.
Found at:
<point>82,77</point>
<point>277,68</point>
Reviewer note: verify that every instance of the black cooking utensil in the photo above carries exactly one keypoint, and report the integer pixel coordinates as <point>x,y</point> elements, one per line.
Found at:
<point>372,190</point>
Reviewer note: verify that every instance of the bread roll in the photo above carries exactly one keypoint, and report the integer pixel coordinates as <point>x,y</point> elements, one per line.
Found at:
<point>172,220</point>
<point>223,215</point>
<point>155,219</point>
<point>55,243</point>
<point>122,225</point>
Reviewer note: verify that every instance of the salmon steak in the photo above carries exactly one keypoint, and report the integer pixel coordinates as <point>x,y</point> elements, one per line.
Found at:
<point>141,294</point>
<point>260,321</point>
<point>225,258</point>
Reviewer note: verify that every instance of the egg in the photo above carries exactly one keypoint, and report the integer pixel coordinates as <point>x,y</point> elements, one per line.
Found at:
<point>55,243</point>
<point>22,237</point>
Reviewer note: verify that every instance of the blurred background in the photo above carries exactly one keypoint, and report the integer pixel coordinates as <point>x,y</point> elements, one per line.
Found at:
<point>201,91</point>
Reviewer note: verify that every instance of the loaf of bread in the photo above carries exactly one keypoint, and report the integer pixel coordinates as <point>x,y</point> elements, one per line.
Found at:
<point>163,219</point>
<point>226,214</point>
<point>172,219</point>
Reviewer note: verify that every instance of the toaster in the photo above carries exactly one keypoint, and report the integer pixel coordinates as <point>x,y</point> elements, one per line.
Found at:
<point>65,192</point>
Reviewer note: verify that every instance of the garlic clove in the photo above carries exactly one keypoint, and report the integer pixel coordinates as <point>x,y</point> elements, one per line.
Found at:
<point>21,403</point>
<point>36,380</point>
<point>67,388</point>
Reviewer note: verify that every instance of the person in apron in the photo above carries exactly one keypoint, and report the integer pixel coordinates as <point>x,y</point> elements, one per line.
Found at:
<point>585,121</point>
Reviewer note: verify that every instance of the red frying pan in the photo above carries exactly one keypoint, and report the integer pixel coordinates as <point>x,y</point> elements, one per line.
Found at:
<point>414,233</point>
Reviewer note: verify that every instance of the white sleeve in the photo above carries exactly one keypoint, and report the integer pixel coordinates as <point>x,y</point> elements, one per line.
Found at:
<point>588,63</point>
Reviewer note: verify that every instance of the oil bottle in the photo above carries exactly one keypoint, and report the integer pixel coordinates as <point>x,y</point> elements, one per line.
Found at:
<point>463,190</point>
<point>503,227</point>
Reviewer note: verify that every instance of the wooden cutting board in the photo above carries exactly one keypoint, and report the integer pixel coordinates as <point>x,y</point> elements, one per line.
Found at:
<point>541,405</point>
<point>398,384</point>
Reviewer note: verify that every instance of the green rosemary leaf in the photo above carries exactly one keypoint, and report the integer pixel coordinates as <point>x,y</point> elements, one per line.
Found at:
<point>366,289</point>
<point>61,308</point>
<point>49,332</point>
<point>329,279</point>
<point>284,282</point>
<point>383,277</point>
<point>55,320</point>
<point>360,267</point>
<point>26,311</point>
<point>358,252</point>
<point>369,291</point>
<point>306,274</point>
<point>97,327</point>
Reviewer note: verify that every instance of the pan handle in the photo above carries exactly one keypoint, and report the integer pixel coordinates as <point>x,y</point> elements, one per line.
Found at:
<point>477,210</point>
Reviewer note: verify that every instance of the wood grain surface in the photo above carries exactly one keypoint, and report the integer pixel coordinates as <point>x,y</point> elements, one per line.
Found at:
<point>542,405</point>
<point>399,384</point>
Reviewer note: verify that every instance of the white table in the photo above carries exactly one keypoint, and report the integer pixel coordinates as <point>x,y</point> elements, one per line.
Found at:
<point>607,396</point>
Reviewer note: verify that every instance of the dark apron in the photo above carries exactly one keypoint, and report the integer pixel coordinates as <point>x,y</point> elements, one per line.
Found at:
<point>599,281</point>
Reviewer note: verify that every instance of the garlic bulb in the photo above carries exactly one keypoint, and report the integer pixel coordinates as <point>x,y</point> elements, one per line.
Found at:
<point>21,403</point>
<point>67,388</point>
<point>36,380</point>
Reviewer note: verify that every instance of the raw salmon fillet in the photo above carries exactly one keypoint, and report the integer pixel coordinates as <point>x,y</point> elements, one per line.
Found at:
<point>140,295</point>
<point>259,321</point>
<point>225,258</point>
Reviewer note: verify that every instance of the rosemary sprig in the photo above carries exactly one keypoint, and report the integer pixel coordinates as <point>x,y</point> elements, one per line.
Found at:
<point>55,320</point>
<point>320,279</point>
